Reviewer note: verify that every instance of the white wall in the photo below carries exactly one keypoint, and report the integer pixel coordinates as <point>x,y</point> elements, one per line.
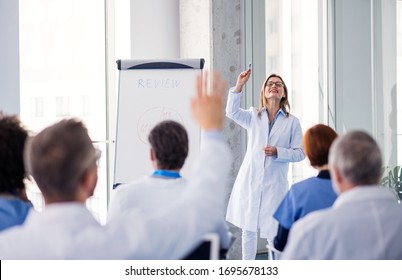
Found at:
<point>9,57</point>
<point>195,35</point>
<point>155,29</point>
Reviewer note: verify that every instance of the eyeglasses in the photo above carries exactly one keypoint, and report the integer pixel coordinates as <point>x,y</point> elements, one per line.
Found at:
<point>277,84</point>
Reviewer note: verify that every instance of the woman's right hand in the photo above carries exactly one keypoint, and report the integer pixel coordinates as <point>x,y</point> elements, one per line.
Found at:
<point>242,80</point>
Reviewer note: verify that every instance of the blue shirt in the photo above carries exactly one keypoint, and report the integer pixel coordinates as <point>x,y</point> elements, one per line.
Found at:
<point>13,211</point>
<point>166,174</point>
<point>304,197</point>
<point>270,125</point>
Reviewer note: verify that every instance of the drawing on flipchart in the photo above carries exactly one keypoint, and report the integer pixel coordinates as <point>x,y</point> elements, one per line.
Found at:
<point>152,117</point>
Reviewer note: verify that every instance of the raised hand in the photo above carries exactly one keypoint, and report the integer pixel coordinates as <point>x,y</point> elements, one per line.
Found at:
<point>242,80</point>
<point>207,105</point>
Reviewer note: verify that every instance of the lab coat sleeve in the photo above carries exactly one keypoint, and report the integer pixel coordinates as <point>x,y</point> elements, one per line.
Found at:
<point>295,152</point>
<point>234,112</point>
<point>299,243</point>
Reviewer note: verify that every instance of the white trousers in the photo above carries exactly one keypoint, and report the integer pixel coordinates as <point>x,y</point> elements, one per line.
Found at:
<point>249,245</point>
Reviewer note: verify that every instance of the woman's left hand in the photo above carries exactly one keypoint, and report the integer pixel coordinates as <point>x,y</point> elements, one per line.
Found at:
<point>270,151</point>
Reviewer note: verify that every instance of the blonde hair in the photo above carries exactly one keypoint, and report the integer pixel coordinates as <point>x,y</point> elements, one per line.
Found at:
<point>284,101</point>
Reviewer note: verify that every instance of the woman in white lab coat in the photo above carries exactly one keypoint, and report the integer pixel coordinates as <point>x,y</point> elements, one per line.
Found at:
<point>274,140</point>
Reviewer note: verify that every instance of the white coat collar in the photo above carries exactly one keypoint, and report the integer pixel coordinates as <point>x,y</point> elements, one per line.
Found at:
<point>280,115</point>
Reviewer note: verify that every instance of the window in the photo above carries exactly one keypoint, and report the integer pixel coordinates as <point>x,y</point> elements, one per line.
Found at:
<point>272,63</point>
<point>397,92</point>
<point>62,64</point>
<point>62,106</point>
<point>87,105</point>
<point>272,26</point>
<point>37,107</point>
<point>289,54</point>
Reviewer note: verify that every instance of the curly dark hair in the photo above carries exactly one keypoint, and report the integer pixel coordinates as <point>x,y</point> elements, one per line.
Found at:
<point>169,141</point>
<point>12,140</point>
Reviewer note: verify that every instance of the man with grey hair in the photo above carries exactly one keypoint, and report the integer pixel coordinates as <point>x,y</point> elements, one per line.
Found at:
<point>63,162</point>
<point>365,221</point>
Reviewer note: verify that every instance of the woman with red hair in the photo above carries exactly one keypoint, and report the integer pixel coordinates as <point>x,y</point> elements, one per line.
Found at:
<point>313,193</point>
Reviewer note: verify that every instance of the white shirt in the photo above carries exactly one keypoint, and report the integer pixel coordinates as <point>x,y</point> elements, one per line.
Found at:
<point>146,195</point>
<point>363,223</point>
<point>150,194</point>
<point>69,231</point>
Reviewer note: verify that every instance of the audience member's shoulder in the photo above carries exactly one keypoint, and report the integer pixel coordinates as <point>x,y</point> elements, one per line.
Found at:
<point>13,232</point>
<point>126,186</point>
<point>314,218</point>
<point>183,180</point>
<point>303,184</point>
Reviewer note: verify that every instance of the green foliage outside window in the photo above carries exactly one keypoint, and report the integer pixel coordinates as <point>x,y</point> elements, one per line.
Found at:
<point>392,178</point>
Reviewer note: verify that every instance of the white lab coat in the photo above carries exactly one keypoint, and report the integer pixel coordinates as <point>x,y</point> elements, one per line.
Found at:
<point>262,181</point>
<point>364,223</point>
<point>149,194</point>
<point>69,231</point>
<point>146,194</point>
